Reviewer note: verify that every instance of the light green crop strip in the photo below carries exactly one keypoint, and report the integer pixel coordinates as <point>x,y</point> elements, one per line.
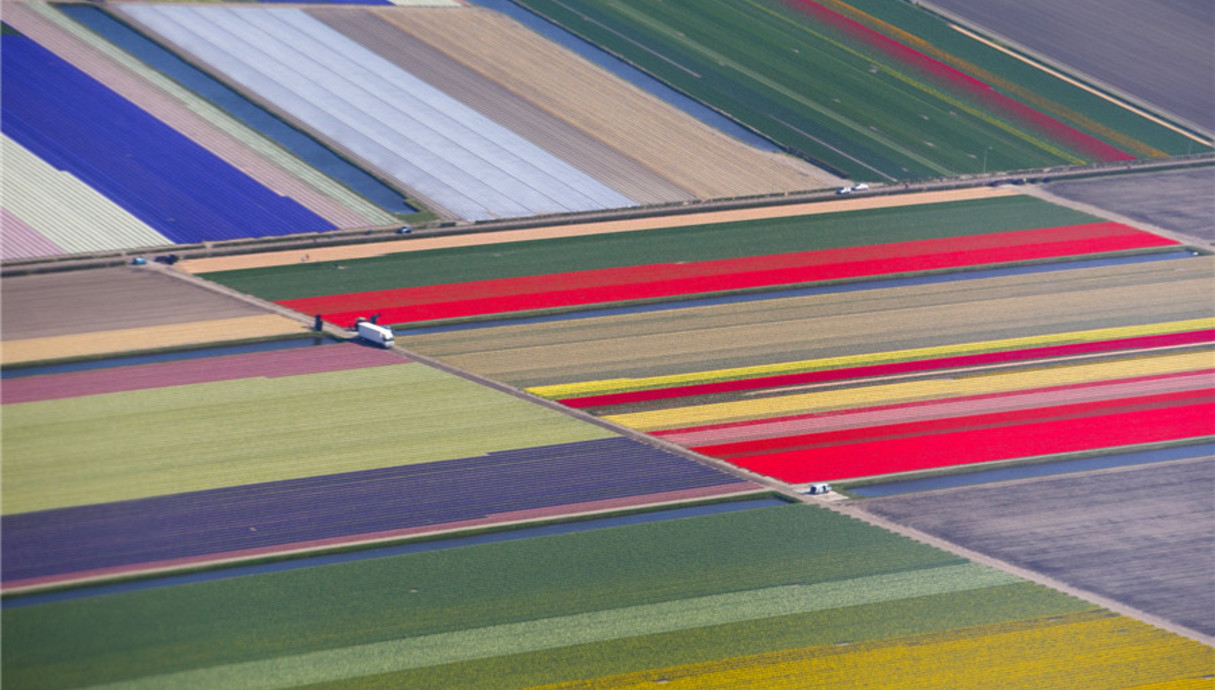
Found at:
<point>514,638</point>
<point>569,390</point>
<point>157,441</point>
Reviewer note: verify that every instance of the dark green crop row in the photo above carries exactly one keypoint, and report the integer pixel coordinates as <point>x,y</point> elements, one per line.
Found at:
<point>154,631</point>
<point>832,98</point>
<point>688,243</point>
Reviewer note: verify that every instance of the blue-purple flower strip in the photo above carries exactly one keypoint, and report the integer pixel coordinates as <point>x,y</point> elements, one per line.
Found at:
<point>185,530</point>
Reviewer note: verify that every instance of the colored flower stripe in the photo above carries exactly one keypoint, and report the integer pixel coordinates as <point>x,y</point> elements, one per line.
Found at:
<point>991,420</point>
<point>272,364</point>
<point>1024,94</point>
<point>731,432</point>
<point>935,388</point>
<point>1166,340</point>
<point>368,539</point>
<point>255,520</point>
<point>330,665</point>
<point>636,282</point>
<point>585,388</point>
<point>1035,120</point>
<point>986,445</point>
<point>608,277</point>
<point>1092,650</point>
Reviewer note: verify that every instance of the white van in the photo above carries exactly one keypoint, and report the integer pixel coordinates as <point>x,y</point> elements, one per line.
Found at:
<point>375,334</point>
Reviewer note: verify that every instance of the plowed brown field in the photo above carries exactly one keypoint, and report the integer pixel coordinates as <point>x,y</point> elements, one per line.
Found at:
<point>70,303</point>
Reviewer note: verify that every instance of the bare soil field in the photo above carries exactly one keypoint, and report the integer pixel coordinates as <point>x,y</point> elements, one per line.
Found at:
<point>1181,200</point>
<point>421,242</point>
<point>52,304</point>
<point>1158,51</point>
<point>1139,535</point>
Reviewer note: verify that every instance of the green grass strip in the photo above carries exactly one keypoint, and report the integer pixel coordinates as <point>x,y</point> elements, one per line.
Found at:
<point>121,446</point>
<point>680,244</point>
<point>416,652</point>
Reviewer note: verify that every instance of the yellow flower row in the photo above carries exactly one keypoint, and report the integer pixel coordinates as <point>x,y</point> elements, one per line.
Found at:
<point>567,390</point>
<point>1088,650</point>
<point>896,393</point>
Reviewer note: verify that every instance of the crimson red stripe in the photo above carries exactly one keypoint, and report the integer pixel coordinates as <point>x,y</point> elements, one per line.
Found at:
<point>809,377</point>
<point>1003,105</point>
<point>631,274</point>
<point>803,442</point>
<point>986,445</point>
<point>966,399</point>
<point>719,267</point>
<point>630,283</point>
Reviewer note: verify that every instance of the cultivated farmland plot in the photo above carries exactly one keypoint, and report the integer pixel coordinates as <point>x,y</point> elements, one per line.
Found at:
<point>1166,67</point>
<point>163,182</point>
<point>480,116</point>
<point>880,90</point>
<point>89,301</point>
<point>404,127</point>
<point>175,464</point>
<point>113,310</point>
<point>1139,535</point>
<point>738,595</point>
<point>186,111</point>
<point>837,329</point>
<point>1182,201</point>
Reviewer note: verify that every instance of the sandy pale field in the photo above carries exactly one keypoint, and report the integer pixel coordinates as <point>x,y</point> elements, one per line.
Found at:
<point>147,338</point>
